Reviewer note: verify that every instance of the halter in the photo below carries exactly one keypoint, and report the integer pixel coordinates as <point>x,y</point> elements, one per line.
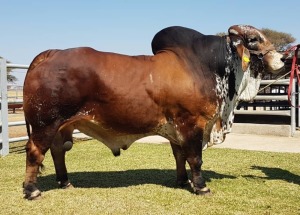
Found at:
<point>261,54</point>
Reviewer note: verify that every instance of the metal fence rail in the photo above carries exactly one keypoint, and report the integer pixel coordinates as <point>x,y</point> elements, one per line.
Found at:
<point>15,139</point>
<point>275,100</point>
<point>4,144</point>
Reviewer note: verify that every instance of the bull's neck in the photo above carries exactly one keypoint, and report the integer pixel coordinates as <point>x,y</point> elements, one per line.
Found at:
<point>231,82</point>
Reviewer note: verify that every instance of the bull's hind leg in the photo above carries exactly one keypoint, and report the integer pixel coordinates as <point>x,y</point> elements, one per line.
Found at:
<point>62,143</point>
<point>36,148</point>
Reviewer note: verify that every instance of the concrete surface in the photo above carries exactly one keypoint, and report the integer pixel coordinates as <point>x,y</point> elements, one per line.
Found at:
<point>261,143</point>
<point>248,142</point>
<point>262,129</point>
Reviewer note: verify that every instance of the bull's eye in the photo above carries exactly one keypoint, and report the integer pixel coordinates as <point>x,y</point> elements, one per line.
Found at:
<point>260,56</point>
<point>252,40</point>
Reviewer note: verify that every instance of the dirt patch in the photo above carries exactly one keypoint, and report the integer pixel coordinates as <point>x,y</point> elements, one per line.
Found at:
<point>16,131</point>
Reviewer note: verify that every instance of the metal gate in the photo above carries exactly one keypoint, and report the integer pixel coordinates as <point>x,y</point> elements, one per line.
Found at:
<point>4,141</point>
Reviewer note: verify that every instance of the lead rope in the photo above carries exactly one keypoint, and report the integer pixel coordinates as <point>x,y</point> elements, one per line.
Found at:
<point>273,82</point>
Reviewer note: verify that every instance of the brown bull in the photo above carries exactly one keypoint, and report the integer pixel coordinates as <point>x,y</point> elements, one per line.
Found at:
<point>191,83</point>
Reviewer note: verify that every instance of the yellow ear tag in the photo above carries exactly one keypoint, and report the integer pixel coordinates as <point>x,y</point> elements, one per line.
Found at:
<point>246,59</point>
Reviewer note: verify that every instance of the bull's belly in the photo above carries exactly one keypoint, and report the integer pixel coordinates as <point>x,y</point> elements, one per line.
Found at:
<point>116,140</point>
<point>111,138</point>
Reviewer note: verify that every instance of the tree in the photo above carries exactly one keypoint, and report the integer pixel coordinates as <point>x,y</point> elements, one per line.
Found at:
<point>282,41</point>
<point>222,34</point>
<point>10,78</point>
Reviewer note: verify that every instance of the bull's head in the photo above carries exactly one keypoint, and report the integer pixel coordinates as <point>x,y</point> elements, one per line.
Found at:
<point>260,48</point>
<point>256,52</point>
<point>258,56</point>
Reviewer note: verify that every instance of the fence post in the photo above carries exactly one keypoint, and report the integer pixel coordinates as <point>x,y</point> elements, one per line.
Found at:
<point>4,146</point>
<point>293,107</point>
<point>298,109</point>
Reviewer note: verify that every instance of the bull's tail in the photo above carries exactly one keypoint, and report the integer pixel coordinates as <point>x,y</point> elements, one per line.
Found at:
<point>27,128</point>
<point>41,166</point>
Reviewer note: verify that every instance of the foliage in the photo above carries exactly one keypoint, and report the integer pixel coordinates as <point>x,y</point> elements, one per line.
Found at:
<point>10,78</point>
<point>221,34</point>
<point>142,181</point>
<point>280,40</point>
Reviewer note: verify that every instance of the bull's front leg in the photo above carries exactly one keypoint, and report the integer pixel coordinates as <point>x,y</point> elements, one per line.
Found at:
<point>194,159</point>
<point>192,148</point>
<point>180,158</point>
<point>192,153</point>
<point>191,131</point>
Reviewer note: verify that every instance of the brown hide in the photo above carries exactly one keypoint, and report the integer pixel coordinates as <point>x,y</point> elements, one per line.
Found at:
<point>92,91</point>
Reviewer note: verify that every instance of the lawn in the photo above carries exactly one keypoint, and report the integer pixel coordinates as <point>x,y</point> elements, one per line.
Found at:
<point>142,181</point>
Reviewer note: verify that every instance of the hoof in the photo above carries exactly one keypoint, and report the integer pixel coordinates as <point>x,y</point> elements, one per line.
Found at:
<point>205,191</point>
<point>31,192</point>
<point>68,186</point>
<point>65,185</point>
<point>33,196</point>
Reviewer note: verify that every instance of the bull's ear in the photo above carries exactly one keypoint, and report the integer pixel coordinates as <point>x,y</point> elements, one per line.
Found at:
<point>244,54</point>
<point>237,34</point>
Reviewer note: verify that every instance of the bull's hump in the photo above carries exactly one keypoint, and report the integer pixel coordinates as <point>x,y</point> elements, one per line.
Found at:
<point>172,37</point>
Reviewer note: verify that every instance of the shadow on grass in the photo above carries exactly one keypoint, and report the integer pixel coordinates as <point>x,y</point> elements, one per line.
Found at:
<point>17,148</point>
<point>273,173</point>
<point>127,178</point>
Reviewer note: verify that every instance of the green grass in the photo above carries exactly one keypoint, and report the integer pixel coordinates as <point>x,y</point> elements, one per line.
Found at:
<point>142,181</point>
